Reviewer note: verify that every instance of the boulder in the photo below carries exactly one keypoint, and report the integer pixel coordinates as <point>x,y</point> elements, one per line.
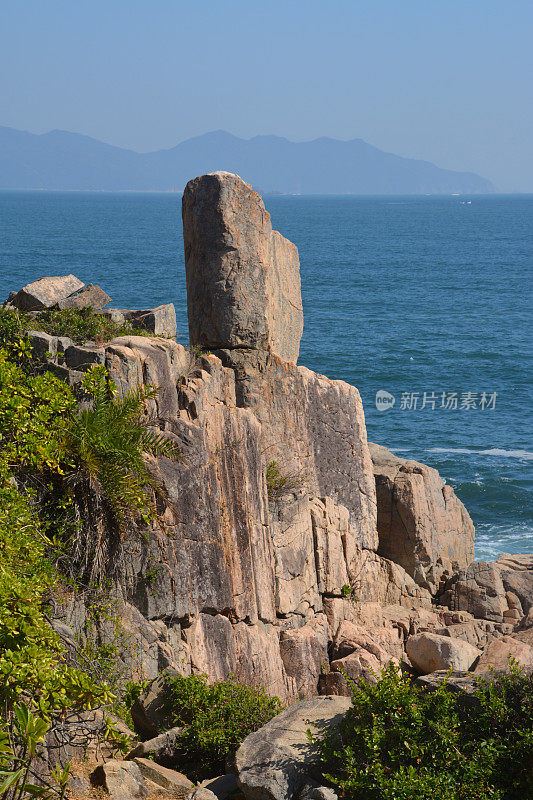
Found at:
<point>45,292</point>
<point>274,762</point>
<point>464,683</point>
<point>422,525</point>
<point>159,745</point>
<point>222,786</point>
<point>311,792</point>
<point>90,295</point>
<point>160,321</point>
<point>361,663</point>
<point>167,778</point>
<point>497,653</point>
<point>202,793</point>
<point>149,712</point>
<point>377,640</point>
<point>121,779</point>
<point>243,278</point>
<point>429,652</point>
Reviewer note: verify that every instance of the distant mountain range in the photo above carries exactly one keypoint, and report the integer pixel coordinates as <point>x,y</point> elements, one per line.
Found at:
<point>62,160</point>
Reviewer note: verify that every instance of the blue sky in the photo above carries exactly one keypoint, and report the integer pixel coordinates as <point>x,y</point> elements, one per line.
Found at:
<point>445,80</point>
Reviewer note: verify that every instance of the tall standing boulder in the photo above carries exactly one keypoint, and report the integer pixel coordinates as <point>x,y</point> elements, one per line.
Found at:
<point>243,278</point>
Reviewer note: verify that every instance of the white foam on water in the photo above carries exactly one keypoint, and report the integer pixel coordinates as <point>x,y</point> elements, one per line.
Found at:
<point>493,540</point>
<point>495,451</point>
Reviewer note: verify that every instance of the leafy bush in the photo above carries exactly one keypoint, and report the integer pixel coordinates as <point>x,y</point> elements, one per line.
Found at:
<point>34,410</point>
<point>217,718</point>
<point>51,454</point>
<point>13,338</point>
<point>83,325</point>
<point>279,484</point>
<point>17,751</point>
<point>400,742</point>
<point>108,442</point>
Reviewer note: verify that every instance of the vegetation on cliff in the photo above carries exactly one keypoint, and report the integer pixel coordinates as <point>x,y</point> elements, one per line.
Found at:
<point>83,325</point>
<point>399,741</point>
<point>48,449</point>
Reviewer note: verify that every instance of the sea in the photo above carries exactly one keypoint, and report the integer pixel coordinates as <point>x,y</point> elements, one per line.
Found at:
<point>422,302</point>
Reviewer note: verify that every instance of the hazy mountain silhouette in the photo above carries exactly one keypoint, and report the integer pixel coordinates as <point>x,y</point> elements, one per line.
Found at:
<point>62,160</point>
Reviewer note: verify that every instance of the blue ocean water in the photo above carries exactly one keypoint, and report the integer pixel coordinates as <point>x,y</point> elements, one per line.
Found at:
<point>407,295</point>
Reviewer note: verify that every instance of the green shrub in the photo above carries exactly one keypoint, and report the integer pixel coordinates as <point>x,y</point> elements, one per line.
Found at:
<point>51,454</point>
<point>217,718</point>
<point>109,441</point>
<point>17,752</point>
<point>13,336</point>
<point>279,483</point>
<point>32,668</point>
<point>34,411</point>
<point>400,742</point>
<point>83,325</point>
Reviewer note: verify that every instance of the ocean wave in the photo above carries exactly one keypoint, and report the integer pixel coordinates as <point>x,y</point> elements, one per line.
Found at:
<point>495,451</point>
<point>493,540</point>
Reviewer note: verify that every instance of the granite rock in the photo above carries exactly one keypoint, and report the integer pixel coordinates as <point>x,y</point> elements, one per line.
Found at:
<point>498,591</point>
<point>45,292</point>
<point>430,652</point>
<point>121,779</point>
<point>274,762</point>
<point>497,653</point>
<point>90,295</point>
<point>422,525</point>
<point>243,278</point>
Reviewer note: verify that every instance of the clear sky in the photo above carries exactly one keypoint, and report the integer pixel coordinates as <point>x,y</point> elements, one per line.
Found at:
<point>445,80</point>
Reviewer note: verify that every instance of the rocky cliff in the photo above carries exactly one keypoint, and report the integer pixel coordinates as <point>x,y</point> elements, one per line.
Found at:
<point>286,549</point>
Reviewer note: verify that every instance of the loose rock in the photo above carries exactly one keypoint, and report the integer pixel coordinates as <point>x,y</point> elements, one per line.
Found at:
<point>223,786</point>
<point>167,778</point>
<point>430,652</point>
<point>156,746</point>
<point>160,321</point>
<point>121,779</point>
<point>90,295</point>
<point>274,762</point>
<point>45,292</point>
<point>497,653</point>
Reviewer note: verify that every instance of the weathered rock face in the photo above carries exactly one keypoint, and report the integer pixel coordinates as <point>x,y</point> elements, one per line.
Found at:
<point>422,525</point>
<point>238,583</point>
<point>497,653</point>
<point>323,420</point>
<point>243,278</point>
<point>500,591</point>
